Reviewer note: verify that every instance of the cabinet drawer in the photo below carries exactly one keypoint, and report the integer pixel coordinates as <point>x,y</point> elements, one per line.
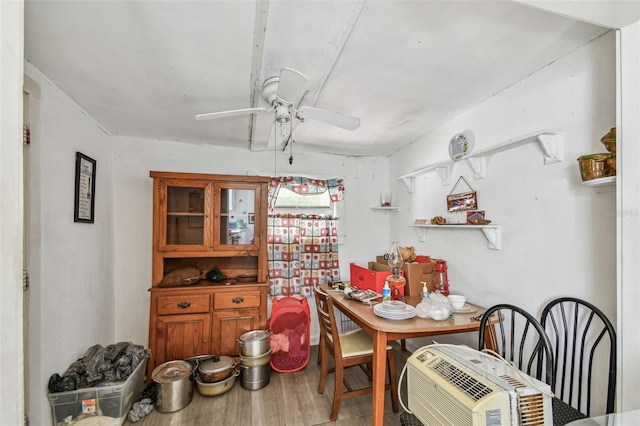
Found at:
<point>187,304</point>
<point>250,299</point>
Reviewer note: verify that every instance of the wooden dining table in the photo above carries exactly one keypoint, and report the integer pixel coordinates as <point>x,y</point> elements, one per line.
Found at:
<point>383,330</point>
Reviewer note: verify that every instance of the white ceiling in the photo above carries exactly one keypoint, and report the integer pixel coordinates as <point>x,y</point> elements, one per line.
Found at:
<point>145,68</point>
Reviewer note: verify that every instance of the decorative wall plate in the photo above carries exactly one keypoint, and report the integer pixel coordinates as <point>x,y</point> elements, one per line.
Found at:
<point>460,145</point>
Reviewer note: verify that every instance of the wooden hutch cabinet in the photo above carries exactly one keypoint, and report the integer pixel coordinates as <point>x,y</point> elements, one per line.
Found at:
<point>201,221</point>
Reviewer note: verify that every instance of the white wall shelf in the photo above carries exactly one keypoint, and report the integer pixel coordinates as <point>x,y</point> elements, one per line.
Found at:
<point>493,233</point>
<point>607,184</point>
<point>444,170</point>
<point>390,208</point>
<point>550,141</point>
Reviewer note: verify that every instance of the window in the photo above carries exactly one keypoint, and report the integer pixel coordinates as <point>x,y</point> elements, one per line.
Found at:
<point>303,234</point>
<point>287,199</point>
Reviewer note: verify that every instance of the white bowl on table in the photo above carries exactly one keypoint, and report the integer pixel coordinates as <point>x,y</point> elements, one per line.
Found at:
<point>457,301</point>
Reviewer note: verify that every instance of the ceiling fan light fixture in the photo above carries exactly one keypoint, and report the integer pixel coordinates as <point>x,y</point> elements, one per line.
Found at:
<point>282,113</point>
<point>270,90</point>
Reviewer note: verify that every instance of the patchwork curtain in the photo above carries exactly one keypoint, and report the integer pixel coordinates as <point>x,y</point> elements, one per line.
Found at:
<point>302,251</point>
<point>305,186</point>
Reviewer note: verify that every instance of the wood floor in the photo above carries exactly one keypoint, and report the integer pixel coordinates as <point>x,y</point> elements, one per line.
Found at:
<point>290,399</point>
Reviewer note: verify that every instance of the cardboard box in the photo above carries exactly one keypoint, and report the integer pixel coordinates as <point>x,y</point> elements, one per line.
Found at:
<point>414,282</point>
<point>427,268</point>
<point>372,277</point>
<point>415,273</point>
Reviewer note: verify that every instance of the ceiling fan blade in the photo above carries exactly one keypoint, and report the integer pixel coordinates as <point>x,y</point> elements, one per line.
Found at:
<point>334,118</point>
<point>227,113</point>
<point>291,85</point>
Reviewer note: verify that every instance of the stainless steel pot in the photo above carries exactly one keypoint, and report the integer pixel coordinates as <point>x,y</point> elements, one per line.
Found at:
<point>197,360</point>
<point>217,388</point>
<point>254,378</point>
<point>174,386</point>
<point>216,369</point>
<point>256,361</point>
<point>254,343</point>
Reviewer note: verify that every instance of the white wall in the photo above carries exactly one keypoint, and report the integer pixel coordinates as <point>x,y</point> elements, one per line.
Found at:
<point>629,219</point>
<point>11,221</point>
<point>133,159</point>
<point>558,236</point>
<point>71,276</point>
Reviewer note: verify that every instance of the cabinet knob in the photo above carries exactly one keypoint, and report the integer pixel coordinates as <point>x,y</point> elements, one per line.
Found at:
<point>184,305</point>
<point>237,300</point>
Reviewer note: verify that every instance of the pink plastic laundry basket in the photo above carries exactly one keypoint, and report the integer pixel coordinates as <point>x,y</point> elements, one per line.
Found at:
<point>289,340</point>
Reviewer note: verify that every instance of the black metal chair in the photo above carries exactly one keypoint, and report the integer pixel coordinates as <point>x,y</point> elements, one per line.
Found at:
<point>517,336</point>
<point>583,343</point>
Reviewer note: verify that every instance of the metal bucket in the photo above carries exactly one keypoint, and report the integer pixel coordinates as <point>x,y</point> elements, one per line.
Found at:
<point>254,378</point>
<point>174,385</point>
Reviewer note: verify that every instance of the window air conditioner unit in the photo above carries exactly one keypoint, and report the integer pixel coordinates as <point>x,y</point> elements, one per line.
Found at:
<point>459,386</point>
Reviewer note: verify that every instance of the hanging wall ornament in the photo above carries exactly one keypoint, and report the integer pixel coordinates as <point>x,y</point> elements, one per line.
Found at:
<point>462,201</point>
<point>461,145</point>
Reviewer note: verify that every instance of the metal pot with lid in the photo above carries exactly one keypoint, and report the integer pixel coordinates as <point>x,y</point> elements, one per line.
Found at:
<point>195,361</point>
<point>216,368</point>
<point>174,386</point>
<point>254,343</point>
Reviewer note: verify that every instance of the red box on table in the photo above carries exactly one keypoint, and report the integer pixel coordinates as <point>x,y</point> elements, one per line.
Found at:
<point>372,278</point>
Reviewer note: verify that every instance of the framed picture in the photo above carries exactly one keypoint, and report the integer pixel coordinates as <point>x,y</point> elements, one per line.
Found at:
<point>252,218</point>
<point>84,203</point>
<point>462,201</point>
<point>475,217</point>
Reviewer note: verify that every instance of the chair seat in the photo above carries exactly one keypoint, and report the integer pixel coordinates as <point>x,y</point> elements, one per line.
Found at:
<point>356,343</point>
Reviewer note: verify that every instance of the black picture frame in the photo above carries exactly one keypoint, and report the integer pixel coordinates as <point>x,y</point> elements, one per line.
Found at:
<point>85,189</point>
<point>252,218</point>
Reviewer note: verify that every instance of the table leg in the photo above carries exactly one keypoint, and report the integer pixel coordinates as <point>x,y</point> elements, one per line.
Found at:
<point>379,375</point>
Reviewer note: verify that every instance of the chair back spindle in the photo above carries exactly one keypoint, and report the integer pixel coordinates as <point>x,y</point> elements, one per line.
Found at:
<point>518,337</point>
<point>584,345</point>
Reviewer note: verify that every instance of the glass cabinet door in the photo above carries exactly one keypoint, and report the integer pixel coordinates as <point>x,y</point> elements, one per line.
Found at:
<point>236,212</point>
<point>184,215</point>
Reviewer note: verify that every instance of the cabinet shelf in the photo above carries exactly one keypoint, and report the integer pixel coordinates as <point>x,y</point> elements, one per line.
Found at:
<point>189,214</point>
<point>389,208</point>
<point>493,233</point>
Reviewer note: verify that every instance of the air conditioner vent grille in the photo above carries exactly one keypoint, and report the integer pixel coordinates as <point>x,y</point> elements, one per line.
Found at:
<point>531,408</point>
<point>513,382</point>
<point>469,385</point>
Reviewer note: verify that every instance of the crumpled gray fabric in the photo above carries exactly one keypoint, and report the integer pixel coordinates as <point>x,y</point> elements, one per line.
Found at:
<point>140,409</point>
<point>115,363</point>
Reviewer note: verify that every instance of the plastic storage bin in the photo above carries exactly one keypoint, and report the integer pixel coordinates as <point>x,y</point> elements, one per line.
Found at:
<point>111,401</point>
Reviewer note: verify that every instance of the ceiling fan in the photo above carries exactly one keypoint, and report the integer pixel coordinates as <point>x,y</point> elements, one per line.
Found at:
<point>283,93</point>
